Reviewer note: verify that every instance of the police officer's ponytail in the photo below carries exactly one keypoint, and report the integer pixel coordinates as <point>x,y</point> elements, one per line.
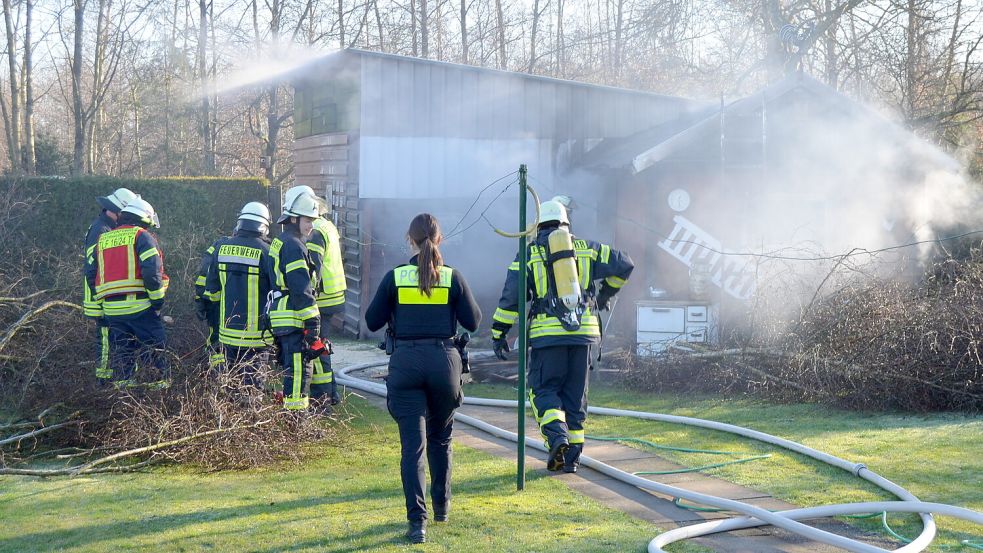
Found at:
<point>425,233</point>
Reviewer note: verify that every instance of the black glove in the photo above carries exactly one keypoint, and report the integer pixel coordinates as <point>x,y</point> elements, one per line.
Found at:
<point>502,348</point>
<point>200,310</point>
<point>604,298</point>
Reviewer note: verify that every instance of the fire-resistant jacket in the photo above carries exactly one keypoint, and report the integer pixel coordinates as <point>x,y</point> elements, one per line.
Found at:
<point>128,272</point>
<point>207,259</point>
<point>294,306</point>
<point>325,249</point>
<point>239,279</point>
<point>415,315</point>
<point>595,261</point>
<point>101,224</point>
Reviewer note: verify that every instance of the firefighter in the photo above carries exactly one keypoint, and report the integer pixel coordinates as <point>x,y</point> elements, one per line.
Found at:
<point>325,249</point>
<point>564,326</point>
<point>106,221</point>
<point>207,310</point>
<point>128,277</point>
<point>293,312</point>
<point>423,302</point>
<point>237,284</point>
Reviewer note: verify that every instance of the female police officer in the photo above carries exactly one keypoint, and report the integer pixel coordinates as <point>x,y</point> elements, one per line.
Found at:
<point>423,302</point>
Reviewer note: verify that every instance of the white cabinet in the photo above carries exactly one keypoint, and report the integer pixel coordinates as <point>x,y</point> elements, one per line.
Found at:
<point>660,323</point>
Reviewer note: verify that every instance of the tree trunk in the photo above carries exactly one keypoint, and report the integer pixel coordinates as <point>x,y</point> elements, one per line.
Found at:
<point>559,39</point>
<point>13,129</point>
<point>413,26</point>
<point>78,151</point>
<point>532,36</point>
<point>464,32</point>
<point>424,30</point>
<point>378,22</point>
<point>341,24</point>
<point>208,146</point>
<point>30,156</point>
<point>502,62</point>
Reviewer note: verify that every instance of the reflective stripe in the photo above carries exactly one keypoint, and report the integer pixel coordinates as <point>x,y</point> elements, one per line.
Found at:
<point>532,403</point>
<point>614,282</point>
<point>544,325</point>
<point>605,253</point>
<point>321,376</point>
<point>576,436</point>
<point>330,300</point>
<point>316,248</point>
<point>156,294</point>
<point>148,254</point>
<point>415,296</point>
<point>551,415</point>
<point>409,276</point>
<point>200,281</point>
<point>244,255</point>
<point>514,266</point>
<point>294,265</point>
<point>506,316</point>
<point>216,359</point>
<point>127,306</point>
<point>496,333</point>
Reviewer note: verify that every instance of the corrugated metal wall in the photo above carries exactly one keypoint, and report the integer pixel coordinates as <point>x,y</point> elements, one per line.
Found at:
<point>439,130</point>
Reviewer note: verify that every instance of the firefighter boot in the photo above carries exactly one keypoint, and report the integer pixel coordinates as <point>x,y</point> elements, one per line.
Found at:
<point>557,452</point>
<point>571,459</point>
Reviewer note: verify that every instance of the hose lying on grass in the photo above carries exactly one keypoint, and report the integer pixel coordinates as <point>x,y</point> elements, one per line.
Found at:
<point>753,516</point>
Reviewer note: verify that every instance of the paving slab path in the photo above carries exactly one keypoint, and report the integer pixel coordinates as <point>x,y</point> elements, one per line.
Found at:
<point>641,504</point>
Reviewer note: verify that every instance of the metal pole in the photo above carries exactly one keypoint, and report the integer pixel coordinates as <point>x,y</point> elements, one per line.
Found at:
<point>520,476</point>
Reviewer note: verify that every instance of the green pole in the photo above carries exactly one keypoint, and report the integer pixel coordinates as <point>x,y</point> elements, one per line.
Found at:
<point>520,476</point>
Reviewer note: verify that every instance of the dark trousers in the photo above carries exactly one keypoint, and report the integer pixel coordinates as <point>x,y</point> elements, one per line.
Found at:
<point>242,361</point>
<point>558,394</point>
<point>297,371</point>
<point>322,382</point>
<point>102,349</point>
<point>424,390</point>
<point>137,341</point>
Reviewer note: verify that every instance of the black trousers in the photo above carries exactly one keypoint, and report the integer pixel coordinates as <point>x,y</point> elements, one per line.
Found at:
<point>424,390</point>
<point>558,394</point>
<point>137,341</point>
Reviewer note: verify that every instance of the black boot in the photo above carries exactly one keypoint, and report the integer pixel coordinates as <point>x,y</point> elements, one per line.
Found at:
<point>571,459</point>
<point>555,460</point>
<point>441,513</point>
<point>417,532</point>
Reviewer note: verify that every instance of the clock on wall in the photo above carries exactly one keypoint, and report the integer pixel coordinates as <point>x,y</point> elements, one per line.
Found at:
<point>678,200</point>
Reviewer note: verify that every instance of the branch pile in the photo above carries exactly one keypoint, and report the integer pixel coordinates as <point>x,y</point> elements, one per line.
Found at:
<point>873,343</point>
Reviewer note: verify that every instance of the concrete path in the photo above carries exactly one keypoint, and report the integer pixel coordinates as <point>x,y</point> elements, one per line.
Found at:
<point>638,503</point>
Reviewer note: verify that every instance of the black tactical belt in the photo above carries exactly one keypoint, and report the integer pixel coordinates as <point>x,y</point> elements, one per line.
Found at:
<point>425,342</point>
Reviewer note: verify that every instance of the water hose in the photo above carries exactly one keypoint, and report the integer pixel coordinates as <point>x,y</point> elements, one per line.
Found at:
<point>753,516</point>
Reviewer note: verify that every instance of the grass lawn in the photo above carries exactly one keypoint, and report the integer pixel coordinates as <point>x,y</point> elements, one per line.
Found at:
<point>937,457</point>
<point>341,499</point>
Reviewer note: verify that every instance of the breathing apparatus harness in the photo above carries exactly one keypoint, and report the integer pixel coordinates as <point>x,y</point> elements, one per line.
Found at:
<point>564,299</point>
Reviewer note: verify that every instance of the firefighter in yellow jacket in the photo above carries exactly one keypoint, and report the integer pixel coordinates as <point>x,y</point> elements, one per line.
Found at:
<point>292,310</point>
<point>324,246</point>
<point>564,326</point>
<point>128,277</point>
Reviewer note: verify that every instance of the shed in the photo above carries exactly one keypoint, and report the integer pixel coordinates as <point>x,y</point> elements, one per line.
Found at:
<point>385,137</point>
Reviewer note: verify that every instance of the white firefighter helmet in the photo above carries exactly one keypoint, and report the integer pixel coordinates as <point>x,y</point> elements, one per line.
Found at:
<point>142,209</point>
<point>567,202</point>
<point>254,216</point>
<point>299,201</point>
<point>553,211</point>
<point>116,201</point>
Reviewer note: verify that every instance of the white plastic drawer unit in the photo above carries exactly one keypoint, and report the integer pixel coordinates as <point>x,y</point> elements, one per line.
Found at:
<point>661,319</point>
<point>696,314</point>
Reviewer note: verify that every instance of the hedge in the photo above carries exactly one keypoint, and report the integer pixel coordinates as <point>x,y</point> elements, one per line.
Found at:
<point>193,212</point>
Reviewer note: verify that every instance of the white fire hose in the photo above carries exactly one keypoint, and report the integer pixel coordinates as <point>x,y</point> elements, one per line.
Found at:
<point>754,516</point>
